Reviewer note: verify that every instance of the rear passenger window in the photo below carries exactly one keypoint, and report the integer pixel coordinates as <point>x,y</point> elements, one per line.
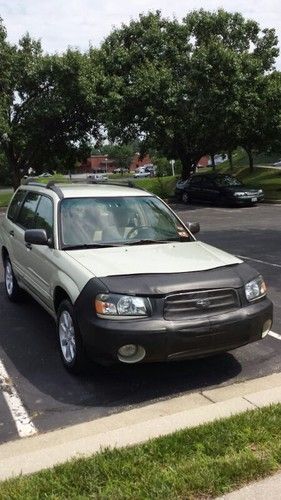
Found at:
<point>26,216</point>
<point>15,204</point>
<point>44,216</point>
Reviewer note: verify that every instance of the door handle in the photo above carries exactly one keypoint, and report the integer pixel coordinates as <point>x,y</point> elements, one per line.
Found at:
<point>12,233</point>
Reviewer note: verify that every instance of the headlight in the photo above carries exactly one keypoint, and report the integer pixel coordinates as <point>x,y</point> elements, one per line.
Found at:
<point>240,194</point>
<point>260,191</point>
<point>121,305</point>
<point>255,289</point>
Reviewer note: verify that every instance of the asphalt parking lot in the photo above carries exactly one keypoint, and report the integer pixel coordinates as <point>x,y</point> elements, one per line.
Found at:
<point>52,398</point>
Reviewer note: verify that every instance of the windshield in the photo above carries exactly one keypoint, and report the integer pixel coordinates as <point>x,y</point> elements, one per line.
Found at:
<point>227,181</point>
<point>94,222</point>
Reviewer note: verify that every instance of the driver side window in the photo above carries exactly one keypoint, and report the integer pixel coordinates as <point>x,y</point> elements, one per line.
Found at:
<point>44,216</point>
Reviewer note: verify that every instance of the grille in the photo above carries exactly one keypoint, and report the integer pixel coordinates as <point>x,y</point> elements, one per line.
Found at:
<point>202,303</point>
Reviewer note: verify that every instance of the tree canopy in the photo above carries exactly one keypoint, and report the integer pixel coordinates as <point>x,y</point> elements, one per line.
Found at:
<point>46,112</point>
<point>202,85</point>
<point>188,88</point>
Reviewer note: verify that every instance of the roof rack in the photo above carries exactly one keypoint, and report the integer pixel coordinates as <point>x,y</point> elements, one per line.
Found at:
<point>129,184</point>
<point>51,185</point>
<point>111,183</point>
<point>125,184</point>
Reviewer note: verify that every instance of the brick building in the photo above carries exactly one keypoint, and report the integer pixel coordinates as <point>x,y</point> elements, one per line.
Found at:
<point>102,163</point>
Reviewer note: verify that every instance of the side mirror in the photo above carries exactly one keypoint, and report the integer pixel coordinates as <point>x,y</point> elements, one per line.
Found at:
<point>194,227</point>
<point>36,237</point>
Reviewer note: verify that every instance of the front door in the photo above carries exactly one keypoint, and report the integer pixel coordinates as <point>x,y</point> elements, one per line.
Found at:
<point>37,260</point>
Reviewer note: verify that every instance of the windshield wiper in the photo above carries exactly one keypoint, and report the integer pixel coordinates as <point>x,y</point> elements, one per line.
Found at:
<point>147,242</point>
<point>90,245</point>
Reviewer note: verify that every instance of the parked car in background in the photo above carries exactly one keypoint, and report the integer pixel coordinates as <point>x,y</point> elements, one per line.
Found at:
<point>97,177</point>
<point>45,174</point>
<point>277,163</point>
<point>141,172</point>
<point>151,169</point>
<point>220,189</point>
<point>119,170</point>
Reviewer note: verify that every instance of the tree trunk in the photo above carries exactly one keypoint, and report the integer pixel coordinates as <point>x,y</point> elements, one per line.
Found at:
<point>251,159</point>
<point>230,159</point>
<point>186,162</point>
<point>16,176</point>
<point>13,164</point>
<point>213,162</point>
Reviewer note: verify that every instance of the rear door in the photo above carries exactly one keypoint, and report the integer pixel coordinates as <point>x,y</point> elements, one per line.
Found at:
<point>10,230</point>
<point>210,192</point>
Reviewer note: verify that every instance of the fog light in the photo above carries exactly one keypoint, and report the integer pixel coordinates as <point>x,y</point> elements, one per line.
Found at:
<point>131,353</point>
<point>128,350</point>
<point>266,328</point>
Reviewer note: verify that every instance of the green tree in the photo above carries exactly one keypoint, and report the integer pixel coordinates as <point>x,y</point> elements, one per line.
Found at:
<point>47,105</point>
<point>122,154</point>
<point>185,87</point>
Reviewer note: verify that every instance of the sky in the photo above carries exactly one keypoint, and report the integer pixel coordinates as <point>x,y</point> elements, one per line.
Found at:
<point>80,23</point>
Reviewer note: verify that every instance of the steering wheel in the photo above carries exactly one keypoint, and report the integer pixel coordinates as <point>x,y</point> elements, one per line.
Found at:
<point>138,230</point>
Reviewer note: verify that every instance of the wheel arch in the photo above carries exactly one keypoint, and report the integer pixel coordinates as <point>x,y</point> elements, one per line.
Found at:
<point>60,294</point>
<point>4,253</point>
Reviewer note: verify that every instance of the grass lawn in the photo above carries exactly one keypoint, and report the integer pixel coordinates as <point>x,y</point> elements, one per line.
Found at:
<point>5,198</point>
<point>57,178</point>
<point>196,463</point>
<point>161,186</point>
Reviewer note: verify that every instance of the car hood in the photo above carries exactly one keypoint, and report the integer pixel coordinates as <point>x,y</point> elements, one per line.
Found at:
<point>176,257</point>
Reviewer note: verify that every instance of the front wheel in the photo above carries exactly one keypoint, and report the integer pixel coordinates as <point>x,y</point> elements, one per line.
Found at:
<point>12,288</point>
<point>70,341</point>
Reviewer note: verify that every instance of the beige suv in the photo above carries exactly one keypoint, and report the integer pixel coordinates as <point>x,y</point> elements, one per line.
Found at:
<point>124,277</point>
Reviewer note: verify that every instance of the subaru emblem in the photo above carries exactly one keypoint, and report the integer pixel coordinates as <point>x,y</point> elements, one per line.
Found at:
<point>203,303</point>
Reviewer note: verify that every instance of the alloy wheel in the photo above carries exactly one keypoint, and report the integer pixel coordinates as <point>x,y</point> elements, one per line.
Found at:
<point>9,278</point>
<point>67,336</point>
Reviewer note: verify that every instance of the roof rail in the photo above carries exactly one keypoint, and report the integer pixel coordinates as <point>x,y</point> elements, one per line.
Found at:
<point>30,181</point>
<point>126,184</point>
<point>116,183</point>
<point>51,185</point>
<point>111,183</point>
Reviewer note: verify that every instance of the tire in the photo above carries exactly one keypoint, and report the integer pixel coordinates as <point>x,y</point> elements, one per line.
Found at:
<point>12,288</point>
<point>69,339</point>
<point>185,197</point>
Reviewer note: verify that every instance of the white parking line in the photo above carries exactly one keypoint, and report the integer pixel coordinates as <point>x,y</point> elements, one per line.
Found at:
<point>275,335</point>
<point>23,423</point>
<point>260,261</point>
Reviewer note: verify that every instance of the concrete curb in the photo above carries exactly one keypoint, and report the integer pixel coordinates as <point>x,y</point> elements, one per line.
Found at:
<point>259,490</point>
<point>136,426</point>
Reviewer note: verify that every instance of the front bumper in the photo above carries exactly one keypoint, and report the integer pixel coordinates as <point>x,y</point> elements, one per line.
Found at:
<point>248,200</point>
<point>173,340</point>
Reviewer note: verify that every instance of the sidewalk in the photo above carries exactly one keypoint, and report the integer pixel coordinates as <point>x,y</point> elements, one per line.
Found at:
<point>259,490</point>
<point>136,426</point>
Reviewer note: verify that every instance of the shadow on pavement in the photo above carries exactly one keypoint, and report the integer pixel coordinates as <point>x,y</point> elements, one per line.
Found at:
<point>28,338</point>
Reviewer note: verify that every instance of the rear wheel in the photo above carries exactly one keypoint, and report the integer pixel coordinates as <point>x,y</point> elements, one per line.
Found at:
<point>12,288</point>
<point>70,341</point>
